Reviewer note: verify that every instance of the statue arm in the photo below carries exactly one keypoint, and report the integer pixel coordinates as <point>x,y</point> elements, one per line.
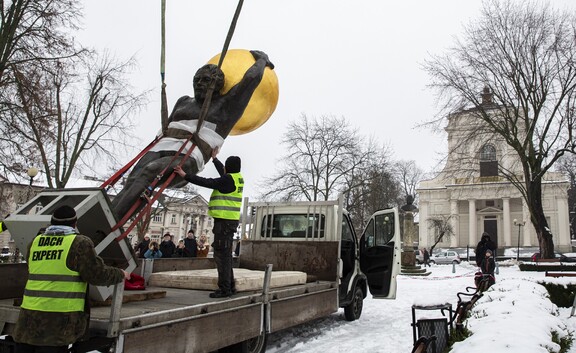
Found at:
<point>240,94</point>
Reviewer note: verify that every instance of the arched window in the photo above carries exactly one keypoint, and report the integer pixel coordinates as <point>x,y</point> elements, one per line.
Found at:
<point>488,162</point>
<point>488,153</point>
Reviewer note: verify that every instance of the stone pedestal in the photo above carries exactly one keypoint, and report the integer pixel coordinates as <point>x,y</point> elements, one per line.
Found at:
<point>408,255</point>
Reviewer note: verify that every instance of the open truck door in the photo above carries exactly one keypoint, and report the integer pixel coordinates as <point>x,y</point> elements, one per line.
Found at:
<point>380,252</point>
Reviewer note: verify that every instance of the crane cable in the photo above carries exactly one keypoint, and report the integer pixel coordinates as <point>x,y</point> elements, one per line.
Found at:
<point>163,100</point>
<point>212,86</point>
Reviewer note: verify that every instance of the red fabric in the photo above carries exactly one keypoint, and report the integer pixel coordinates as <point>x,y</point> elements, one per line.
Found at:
<point>135,282</point>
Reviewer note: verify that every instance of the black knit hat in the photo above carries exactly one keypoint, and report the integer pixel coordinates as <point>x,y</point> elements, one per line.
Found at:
<point>64,215</point>
<point>232,164</point>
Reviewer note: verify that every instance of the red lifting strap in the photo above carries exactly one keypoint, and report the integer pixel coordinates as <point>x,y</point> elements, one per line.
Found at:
<point>155,196</point>
<point>116,176</point>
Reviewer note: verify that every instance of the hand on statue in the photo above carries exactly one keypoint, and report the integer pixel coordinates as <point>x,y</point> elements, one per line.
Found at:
<point>257,54</point>
<point>215,152</point>
<point>178,170</point>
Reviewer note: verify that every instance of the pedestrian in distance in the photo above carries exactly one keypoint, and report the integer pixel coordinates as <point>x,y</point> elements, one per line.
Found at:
<point>191,243</point>
<point>181,250</point>
<point>167,246</point>
<point>153,251</point>
<point>143,246</point>
<point>224,207</point>
<point>484,244</point>
<point>61,263</point>
<point>426,257</point>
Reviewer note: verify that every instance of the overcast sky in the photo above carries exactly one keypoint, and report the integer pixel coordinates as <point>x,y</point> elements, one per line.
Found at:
<point>357,59</point>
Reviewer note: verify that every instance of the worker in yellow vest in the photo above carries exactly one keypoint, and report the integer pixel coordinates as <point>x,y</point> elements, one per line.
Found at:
<point>2,226</point>
<point>224,206</point>
<point>61,263</point>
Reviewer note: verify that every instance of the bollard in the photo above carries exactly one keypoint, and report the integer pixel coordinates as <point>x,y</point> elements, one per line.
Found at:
<point>453,267</point>
<point>497,271</point>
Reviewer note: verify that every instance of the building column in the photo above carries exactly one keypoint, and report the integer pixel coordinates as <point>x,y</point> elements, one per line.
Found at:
<point>507,223</point>
<point>454,221</point>
<point>423,226</point>
<point>563,223</point>
<point>472,236</point>
<point>528,228</point>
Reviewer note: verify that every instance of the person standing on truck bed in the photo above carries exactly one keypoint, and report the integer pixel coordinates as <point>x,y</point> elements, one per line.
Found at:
<point>224,206</point>
<point>61,263</point>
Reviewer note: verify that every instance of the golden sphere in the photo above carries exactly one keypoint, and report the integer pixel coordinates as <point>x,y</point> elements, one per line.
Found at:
<point>265,97</point>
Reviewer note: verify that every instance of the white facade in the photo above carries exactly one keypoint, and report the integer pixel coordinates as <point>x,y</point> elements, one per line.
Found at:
<point>180,215</point>
<point>478,198</point>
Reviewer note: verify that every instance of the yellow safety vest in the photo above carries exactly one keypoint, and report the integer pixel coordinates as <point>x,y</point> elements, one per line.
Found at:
<point>51,285</point>
<point>227,206</point>
<point>2,227</point>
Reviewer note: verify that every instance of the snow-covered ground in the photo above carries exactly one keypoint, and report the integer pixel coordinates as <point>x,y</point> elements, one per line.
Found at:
<point>514,315</point>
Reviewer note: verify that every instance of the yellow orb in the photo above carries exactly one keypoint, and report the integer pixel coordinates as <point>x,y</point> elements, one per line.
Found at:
<point>265,97</point>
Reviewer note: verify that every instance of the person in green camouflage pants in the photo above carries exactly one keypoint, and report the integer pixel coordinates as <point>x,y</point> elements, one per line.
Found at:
<point>55,308</point>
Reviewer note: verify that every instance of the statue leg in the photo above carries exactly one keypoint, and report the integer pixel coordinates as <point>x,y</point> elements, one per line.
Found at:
<point>144,174</point>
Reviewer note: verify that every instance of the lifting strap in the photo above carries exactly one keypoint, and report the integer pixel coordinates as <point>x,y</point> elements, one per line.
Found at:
<point>163,100</point>
<point>212,86</point>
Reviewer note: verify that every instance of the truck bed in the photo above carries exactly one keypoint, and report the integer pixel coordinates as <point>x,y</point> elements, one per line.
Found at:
<point>177,321</point>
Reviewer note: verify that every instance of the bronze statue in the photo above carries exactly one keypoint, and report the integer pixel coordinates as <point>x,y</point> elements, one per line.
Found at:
<point>224,111</point>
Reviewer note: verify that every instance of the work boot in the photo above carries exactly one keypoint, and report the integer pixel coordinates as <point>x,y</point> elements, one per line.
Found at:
<point>220,294</point>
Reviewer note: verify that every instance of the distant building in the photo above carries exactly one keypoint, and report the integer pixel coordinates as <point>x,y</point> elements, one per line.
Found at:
<point>478,199</point>
<point>178,214</point>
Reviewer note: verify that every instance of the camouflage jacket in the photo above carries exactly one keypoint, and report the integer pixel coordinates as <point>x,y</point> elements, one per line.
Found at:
<point>41,328</point>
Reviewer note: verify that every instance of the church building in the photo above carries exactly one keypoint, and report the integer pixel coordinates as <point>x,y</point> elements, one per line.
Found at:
<point>473,193</point>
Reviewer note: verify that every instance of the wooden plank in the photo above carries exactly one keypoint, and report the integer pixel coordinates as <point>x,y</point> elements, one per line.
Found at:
<point>132,296</point>
<point>319,259</point>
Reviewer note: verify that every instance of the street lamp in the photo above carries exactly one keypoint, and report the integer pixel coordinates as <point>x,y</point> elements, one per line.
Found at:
<point>519,224</point>
<point>32,172</point>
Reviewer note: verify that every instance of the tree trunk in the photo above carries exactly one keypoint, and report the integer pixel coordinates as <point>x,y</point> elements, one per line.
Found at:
<point>539,221</point>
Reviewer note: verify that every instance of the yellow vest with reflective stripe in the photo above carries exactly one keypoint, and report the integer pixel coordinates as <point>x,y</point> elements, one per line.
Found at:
<point>2,226</point>
<point>227,206</point>
<point>51,285</point>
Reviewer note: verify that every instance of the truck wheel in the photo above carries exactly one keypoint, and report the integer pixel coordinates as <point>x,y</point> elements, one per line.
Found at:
<point>353,310</point>
<point>253,345</point>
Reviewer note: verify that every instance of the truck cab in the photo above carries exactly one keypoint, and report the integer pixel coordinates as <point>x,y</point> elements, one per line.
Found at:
<point>319,239</point>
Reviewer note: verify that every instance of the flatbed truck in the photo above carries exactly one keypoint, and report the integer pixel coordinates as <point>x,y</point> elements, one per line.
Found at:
<point>313,237</point>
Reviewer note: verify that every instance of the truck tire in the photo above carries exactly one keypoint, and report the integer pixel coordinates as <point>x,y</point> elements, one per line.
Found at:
<point>353,310</point>
<point>253,345</point>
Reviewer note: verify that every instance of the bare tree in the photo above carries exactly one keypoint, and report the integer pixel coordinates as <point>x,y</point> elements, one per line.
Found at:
<point>442,227</point>
<point>523,54</point>
<point>323,155</point>
<point>33,32</point>
<point>408,175</point>
<point>60,117</point>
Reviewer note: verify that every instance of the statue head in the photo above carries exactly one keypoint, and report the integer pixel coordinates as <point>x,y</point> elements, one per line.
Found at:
<point>409,199</point>
<point>204,77</point>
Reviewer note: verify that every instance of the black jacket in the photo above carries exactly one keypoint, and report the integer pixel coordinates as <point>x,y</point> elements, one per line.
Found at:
<point>192,247</point>
<point>167,248</point>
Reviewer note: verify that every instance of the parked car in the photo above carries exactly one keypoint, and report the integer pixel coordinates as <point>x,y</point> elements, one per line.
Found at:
<point>445,257</point>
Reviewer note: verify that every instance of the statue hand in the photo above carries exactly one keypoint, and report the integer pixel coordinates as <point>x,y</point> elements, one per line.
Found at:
<point>257,54</point>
